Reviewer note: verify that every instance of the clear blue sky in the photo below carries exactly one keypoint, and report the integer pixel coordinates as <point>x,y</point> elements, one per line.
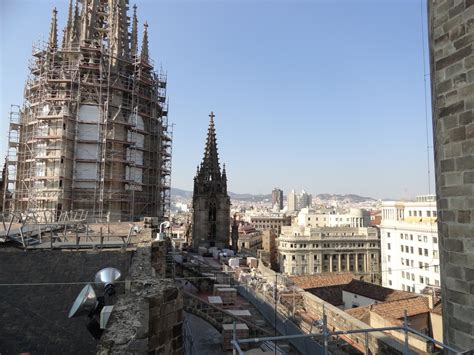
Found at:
<point>326,96</point>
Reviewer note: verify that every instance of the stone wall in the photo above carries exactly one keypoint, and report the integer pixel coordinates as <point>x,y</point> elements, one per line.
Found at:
<point>148,319</point>
<point>42,286</point>
<point>451,37</point>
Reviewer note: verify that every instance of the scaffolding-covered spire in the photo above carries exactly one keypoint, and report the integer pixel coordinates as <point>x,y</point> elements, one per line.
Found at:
<point>74,36</point>
<point>144,53</point>
<point>67,28</point>
<point>53,31</point>
<point>134,35</point>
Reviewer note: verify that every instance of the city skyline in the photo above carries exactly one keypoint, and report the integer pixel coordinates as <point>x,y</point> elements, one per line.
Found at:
<point>281,82</point>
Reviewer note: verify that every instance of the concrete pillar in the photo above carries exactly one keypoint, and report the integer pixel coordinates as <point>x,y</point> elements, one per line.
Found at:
<point>330,262</point>
<point>339,264</point>
<point>356,262</point>
<point>348,262</point>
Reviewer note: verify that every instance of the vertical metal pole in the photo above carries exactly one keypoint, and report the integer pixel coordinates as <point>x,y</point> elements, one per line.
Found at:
<point>325,331</point>
<point>234,334</point>
<point>405,329</point>
<point>366,343</point>
<point>275,299</point>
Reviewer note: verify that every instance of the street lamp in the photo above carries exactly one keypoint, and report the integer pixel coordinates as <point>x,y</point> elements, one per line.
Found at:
<point>165,224</point>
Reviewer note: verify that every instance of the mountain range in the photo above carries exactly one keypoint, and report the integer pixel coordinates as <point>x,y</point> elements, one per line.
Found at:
<point>175,192</point>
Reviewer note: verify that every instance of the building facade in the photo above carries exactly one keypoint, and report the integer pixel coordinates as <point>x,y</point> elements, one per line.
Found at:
<point>409,244</point>
<point>308,250</point>
<point>277,198</point>
<point>296,202</point>
<point>353,218</point>
<point>266,222</point>
<point>211,203</point>
<point>452,87</point>
<point>92,133</point>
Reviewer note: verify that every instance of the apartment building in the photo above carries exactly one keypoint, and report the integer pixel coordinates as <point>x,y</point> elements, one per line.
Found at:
<point>409,244</point>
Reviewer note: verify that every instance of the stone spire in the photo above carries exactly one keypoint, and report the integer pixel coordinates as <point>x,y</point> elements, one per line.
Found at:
<point>74,36</point>
<point>210,163</point>
<point>68,28</point>
<point>144,52</point>
<point>53,31</point>
<point>134,35</point>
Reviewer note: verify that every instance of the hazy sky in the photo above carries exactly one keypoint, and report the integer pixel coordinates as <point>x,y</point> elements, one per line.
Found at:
<point>326,96</point>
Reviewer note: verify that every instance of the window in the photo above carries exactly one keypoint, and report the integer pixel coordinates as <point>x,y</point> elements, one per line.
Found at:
<point>412,263</point>
<point>427,266</point>
<point>435,240</point>
<point>388,246</point>
<point>293,257</point>
<point>436,269</point>
<point>388,234</point>
<point>411,236</point>
<point>435,254</point>
<point>390,282</point>
<point>420,264</point>
<point>409,213</point>
<point>436,282</point>
<point>420,214</point>
<point>411,250</point>
<point>425,238</point>
<point>401,235</point>
<point>389,258</point>
<point>426,252</point>
<point>422,279</point>
<point>403,261</point>
<point>302,257</point>
<point>407,261</point>
<point>435,213</point>
<point>414,213</point>
<point>403,274</point>
<point>401,247</point>
<point>390,271</point>
<point>420,251</point>
<point>427,280</point>
<point>407,249</point>
<point>419,238</point>
<point>428,213</point>
<point>413,277</point>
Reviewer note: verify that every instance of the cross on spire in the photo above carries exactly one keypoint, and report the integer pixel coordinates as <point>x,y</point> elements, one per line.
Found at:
<point>211,115</point>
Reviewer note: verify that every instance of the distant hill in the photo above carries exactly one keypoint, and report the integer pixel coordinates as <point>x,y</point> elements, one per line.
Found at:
<point>349,197</point>
<point>261,197</point>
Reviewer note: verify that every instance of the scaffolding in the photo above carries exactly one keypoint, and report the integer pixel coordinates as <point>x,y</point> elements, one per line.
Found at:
<point>92,133</point>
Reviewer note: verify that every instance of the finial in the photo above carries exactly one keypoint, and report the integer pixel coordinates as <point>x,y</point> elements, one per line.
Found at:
<point>68,27</point>
<point>134,35</point>
<point>53,31</point>
<point>144,53</point>
<point>212,116</point>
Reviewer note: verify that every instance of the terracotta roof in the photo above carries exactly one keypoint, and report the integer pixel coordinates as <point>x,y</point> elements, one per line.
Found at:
<point>392,311</point>
<point>376,292</point>
<point>395,309</point>
<point>321,280</point>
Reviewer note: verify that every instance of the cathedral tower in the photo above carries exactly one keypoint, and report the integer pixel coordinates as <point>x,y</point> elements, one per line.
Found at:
<point>211,204</point>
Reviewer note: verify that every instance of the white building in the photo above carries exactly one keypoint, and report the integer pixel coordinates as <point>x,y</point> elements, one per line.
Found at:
<point>353,218</point>
<point>308,250</point>
<point>409,243</point>
<point>296,202</point>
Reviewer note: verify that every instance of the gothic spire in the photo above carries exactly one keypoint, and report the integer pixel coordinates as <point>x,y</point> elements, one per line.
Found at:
<point>134,35</point>
<point>74,36</point>
<point>67,29</point>
<point>144,52</point>
<point>53,31</point>
<point>210,163</point>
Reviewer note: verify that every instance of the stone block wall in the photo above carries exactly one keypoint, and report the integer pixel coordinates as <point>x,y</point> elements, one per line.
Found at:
<point>148,319</point>
<point>451,39</point>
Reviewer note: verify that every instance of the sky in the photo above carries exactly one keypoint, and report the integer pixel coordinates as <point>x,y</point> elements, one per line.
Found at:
<point>326,96</point>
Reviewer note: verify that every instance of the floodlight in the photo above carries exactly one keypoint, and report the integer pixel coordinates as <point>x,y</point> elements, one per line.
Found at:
<point>107,276</point>
<point>85,302</point>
